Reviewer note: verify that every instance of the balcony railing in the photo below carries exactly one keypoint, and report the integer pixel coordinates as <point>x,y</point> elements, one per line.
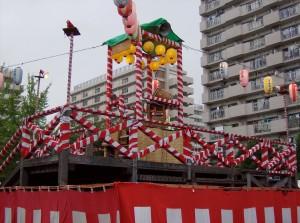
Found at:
<point>291,53</point>
<point>258,63</point>
<point>257,43</point>
<point>289,11</point>
<point>214,75</point>
<point>262,127</point>
<point>256,85</point>
<point>214,39</point>
<point>252,6</point>
<point>217,114</point>
<point>214,95</point>
<point>258,106</point>
<point>255,24</point>
<point>212,4</point>
<point>290,32</point>
<point>214,21</point>
<point>294,122</point>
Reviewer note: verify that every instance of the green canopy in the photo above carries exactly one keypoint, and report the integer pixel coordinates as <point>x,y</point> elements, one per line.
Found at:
<point>150,27</point>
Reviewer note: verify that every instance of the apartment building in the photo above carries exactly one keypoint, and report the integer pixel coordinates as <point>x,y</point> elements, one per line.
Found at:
<point>91,94</point>
<point>262,36</point>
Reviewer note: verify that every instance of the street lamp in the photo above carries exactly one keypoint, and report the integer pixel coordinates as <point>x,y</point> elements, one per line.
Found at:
<point>42,74</point>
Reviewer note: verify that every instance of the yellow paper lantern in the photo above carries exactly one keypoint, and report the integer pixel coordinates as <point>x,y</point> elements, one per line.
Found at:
<point>171,54</point>
<point>119,59</point>
<point>163,61</point>
<point>171,60</point>
<point>143,65</point>
<point>160,50</point>
<point>148,47</point>
<point>124,53</point>
<point>268,85</point>
<point>130,59</point>
<point>115,56</point>
<point>154,65</point>
<point>132,49</point>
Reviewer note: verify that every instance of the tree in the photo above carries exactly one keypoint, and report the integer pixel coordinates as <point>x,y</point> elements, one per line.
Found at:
<point>298,153</point>
<point>17,104</point>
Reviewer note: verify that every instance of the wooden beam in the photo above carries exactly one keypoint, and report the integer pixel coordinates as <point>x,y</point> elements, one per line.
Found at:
<point>63,168</point>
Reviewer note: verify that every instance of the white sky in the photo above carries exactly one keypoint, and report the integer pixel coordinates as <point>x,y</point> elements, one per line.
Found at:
<point>31,29</point>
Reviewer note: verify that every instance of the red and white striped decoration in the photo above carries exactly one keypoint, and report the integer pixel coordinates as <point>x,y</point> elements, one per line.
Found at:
<point>109,82</point>
<point>138,82</point>
<point>133,139</point>
<point>180,85</point>
<point>11,142</point>
<point>149,78</point>
<point>160,39</point>
<point>25,141</point>
<point>71,37</point>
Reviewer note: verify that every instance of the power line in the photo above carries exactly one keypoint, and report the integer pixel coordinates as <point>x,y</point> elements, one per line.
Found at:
<point>53,56</point>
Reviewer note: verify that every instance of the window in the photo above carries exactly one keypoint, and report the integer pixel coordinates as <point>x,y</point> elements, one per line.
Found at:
<point>85,94</point>
<point>214,75</point>
<point>216,56</point>
<point>124,80</point>
<point>257,43</point>
<point>291,52</point>
<point>261,104</point>
<point>258,62</point>
<point>124,90</point>
<point>251,6</point>
<point>289,11</point>
<point>262,126</point>
<point>97,90</point>
<point>290,32</point>
<point>214,39</point>
<point>96,107</point>
<point>294,120</point>
<point>84,102</point>
<point>97,98</point>
<point>255,23</point>
<point>73,98</point>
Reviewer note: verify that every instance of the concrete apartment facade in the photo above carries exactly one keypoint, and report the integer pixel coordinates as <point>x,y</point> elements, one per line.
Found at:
<point>262,36</point>
<point>91,94</point>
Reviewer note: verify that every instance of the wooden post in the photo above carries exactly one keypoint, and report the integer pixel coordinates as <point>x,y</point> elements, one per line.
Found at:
<point>248,179</point>
<point>134,173</point>
<point>63,168</point>
<point>24,177</point>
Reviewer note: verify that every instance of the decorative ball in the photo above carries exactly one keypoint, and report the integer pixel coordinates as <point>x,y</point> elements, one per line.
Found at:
<point>119,59</point>
<point>171,60</point>
<point>160,50</point>
<point>163,61</point>
<point>154,65</point>
<point>132,49</point>
<point>171,53</point>
<point>148,47</point>
<point>130,59</point>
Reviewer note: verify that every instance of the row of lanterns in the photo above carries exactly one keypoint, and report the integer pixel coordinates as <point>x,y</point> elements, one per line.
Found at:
<point>16,74</point>
<point>268,82</point>
<point>127,9</point>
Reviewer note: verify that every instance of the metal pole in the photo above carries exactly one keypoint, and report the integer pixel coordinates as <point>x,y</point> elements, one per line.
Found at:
<point>70,67</point>
<point>38,94</point>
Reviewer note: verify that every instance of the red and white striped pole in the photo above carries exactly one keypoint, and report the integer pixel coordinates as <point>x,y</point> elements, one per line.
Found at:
<point>109,80</point>
<point>286,117</point>
<point>149,78</point>
<point>70,31</point>
<point>138,82</point>
<point>180,85</point>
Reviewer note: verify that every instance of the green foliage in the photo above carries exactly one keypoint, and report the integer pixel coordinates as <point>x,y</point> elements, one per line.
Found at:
<point>248,163</point>
<point>17,104</point>
<point>298,152</point>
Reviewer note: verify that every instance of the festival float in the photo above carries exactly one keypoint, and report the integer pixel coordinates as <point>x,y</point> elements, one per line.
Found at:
<point>107,174</point>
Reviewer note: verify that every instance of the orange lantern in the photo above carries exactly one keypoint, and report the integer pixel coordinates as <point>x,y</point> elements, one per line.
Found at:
<point>155,85</point>
<point>293,91</point>
<point>1,81</point>
<point>244,77</point>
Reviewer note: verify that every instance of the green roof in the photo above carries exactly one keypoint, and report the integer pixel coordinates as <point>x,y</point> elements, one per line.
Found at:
<point>150,27</point>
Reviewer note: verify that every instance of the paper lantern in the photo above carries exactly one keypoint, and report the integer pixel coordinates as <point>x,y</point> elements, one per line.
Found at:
<point>163,61</point>
<point>160,50</point>
<point>1,81</point>
<point>119,59</point>
<point>224,69</point>
<point>268,85</point>
<point>143,65</point>
<point>148,47</point>
<point>293,91</point>
<point>130,59</point>
<point>130,30</point>
<point>125,11</point>
<point>17,75</point>
<point>131,19</point>
<point>155,85</point>
<point>171,54</point>
<point>121,3</point>
<point>132,49</point>
<point>244,77</point>
<point>115,56</point>
<point>154,65</point>
<point>171,60</point>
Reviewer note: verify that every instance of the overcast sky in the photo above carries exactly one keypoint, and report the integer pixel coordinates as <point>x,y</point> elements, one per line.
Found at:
<point>31,29</point>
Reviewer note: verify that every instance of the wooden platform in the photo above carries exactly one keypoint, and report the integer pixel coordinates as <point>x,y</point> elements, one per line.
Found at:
<point>67,169</point>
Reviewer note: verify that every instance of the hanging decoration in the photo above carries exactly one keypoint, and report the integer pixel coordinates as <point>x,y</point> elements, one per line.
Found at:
<point>160,50</point>
<point>130,59</point>
<point>121,3</point>
<point>148,47</point>
<point>155,85</point>
<point>126,10</point>
<point>224,69</point>
<point>268,85</point>
<point>17,75</point>
<point>293,91</point>
<point>154,65</point>
<point>163,61</point>
<point>1,81</point>
<point>244,77</point>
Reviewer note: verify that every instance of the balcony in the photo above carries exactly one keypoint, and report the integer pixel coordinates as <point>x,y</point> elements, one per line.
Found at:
<point>188,100</point>
<point>188,110</point>
<point>273,38</point>
<point>186,91</point>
